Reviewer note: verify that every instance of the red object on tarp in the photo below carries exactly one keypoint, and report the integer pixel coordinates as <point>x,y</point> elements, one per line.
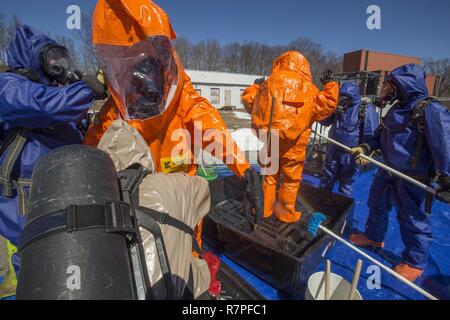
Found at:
<point>214,265</point>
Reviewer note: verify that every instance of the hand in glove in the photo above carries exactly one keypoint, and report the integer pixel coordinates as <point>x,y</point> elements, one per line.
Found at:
<point>97,84</point>
<point>327,76</point>
<point>260,81</point>
<point>443,194</point>
<point>357,152</point>
<point>253,196</point>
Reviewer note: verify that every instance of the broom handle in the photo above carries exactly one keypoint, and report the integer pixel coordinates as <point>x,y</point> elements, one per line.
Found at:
<point>203,169</point>
<point>383,166</point>
<point>355,280</point>
<point>327,280</point>
<point>382,266</point>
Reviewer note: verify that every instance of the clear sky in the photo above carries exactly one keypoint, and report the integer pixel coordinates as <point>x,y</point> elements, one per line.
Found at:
<point>411,27</point>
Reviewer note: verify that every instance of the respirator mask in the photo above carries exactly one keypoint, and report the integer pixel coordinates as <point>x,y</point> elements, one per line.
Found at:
<point>58,66</point>
<point>389,94</point>
<point>343,104</point>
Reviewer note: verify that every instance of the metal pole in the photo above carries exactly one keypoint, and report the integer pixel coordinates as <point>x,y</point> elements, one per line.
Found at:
<point>385,268</point>
<point>385,167</point>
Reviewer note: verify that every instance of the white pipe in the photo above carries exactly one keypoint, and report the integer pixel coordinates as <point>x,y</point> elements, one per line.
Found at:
<point>383,166</point>
<point>387,269</point>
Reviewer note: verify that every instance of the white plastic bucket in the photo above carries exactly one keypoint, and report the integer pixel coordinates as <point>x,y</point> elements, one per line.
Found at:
<point>339,288</point>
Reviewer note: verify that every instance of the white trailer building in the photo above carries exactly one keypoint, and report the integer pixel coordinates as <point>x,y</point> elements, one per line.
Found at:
<point>222,89</point>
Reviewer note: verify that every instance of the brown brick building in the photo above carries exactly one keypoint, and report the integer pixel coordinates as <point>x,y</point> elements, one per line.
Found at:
<point>383,63</point>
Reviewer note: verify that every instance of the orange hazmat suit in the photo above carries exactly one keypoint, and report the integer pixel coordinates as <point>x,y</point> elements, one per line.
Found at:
<point>297,104</point>
<point>151,91</point>
<point>126,30</point>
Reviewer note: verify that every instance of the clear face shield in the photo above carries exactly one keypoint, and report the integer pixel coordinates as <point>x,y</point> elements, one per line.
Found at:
<point>389,94</point>
<point>58,65</point>
<point>144,76</point>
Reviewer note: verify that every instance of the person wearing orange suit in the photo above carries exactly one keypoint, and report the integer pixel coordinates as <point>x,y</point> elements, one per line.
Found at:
<point>292,103</point>
<point>151,91</point>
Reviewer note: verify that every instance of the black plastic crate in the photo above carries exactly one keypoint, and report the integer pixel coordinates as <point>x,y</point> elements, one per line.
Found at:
<point>283,255</point>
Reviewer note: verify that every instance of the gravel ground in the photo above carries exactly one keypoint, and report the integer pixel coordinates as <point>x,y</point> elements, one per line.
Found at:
<point>234,119</point>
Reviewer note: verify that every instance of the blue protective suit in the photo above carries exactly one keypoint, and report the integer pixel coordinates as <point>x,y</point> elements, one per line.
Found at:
<point>398,141</point>
<point>47,113</point>
<point>350,127</point>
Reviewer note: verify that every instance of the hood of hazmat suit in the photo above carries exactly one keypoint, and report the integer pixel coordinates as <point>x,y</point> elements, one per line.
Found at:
<point>356,122</point>
<point>151,91</point>
<point>184,198</point>
<point>290,98</point>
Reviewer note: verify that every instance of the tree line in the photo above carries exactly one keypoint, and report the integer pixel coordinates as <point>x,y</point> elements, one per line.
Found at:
<point>210,55</point>
<point>251,57</point>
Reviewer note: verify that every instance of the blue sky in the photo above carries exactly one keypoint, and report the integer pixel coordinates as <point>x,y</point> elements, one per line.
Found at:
<point>412,27</point>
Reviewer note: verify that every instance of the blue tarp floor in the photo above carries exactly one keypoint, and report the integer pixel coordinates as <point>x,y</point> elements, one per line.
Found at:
<point>436,278</point>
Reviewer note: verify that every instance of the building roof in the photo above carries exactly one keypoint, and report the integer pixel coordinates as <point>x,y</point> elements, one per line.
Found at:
<point>223,78</point>
<point>383,52</point>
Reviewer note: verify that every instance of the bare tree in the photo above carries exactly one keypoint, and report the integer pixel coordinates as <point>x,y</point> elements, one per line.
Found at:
<point>212,55</point>
<point>88,59</point>
<point>70,46</point>
<point>7,30</point>
<point>231,57</point>
<point>184,49</point>
<point>3,43</point>
<point>441,68</point>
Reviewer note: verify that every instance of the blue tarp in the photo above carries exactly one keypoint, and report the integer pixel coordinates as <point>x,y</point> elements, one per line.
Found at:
<point>436,278</point>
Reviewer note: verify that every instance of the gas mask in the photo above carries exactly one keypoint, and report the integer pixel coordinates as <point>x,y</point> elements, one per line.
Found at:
<point>148,89</point>
<point>143,77</point>
<point>389,94</point>
<point>343,104</point>
<point>58,66</point>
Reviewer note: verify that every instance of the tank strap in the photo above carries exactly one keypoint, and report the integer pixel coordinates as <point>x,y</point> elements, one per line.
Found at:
<point>165,218</point>
<point>418,118</point>
<point>362,120</point>
<point>20,186</point>
<point>114,217</point>
<point>149,223</point>
<point>12,146</point>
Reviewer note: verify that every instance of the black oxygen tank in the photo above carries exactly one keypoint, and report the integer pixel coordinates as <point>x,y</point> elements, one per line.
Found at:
<point>85,264</point>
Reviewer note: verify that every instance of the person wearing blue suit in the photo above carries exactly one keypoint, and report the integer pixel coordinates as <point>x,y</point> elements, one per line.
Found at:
<point>352,124</point>
<point>414,138</point>
<point>41,101</point>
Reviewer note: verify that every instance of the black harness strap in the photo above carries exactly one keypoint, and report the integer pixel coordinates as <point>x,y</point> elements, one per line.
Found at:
<point>20,186</point>
<point>130,180</point>
<point>418,118</point>
<point>146,221</point>
<point>12,146</point>
<point>165,218</point>
<point>115,217</point>
<point>362,119</point>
